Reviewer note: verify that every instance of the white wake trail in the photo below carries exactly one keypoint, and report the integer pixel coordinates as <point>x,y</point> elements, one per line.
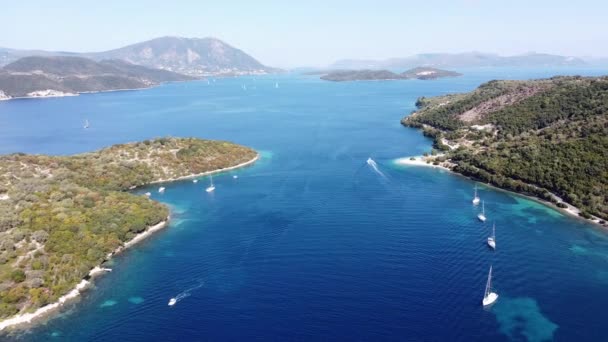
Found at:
<point>187,292</point>
<point>374,166</point>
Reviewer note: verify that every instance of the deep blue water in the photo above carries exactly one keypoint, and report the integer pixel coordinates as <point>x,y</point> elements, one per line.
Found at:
<point>310,243</point>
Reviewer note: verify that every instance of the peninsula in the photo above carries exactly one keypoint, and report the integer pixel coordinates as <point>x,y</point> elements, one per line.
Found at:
<point>38,76</point>
<point>545,138</point>
<point>421,73</point>
<point>62,217</point>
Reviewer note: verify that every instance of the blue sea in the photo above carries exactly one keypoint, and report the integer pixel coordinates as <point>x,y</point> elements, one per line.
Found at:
<point>311,243</point>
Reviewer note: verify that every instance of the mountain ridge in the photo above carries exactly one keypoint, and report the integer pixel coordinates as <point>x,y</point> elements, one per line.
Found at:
<point>461,60</point>
<point>190,56</point>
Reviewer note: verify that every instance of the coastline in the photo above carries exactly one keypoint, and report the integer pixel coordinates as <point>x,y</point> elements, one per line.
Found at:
<point>194,175</point>
<point>569,210</point>
<point>78,93</point>
<point>27,318</point>
<point>70,94</point>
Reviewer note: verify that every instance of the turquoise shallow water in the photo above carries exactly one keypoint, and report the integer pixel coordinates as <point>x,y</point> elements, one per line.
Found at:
<point>310,243</point>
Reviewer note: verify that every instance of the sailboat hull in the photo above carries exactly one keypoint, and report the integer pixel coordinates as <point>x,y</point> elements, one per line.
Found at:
<point>481,217</point>
<point>492,243</point>
<point>476,201</point>
<point>490,299</point>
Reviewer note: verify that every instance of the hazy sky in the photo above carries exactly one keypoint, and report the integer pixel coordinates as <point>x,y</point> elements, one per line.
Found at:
<point>313,32</point>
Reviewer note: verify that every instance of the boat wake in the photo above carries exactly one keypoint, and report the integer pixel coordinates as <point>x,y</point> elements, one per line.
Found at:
<point>374,167</point>
<point>184,294</point>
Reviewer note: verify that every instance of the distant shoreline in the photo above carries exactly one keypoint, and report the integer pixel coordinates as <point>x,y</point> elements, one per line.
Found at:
<point>570,210</point>
<point>28,318</point>
<point>90,92</point>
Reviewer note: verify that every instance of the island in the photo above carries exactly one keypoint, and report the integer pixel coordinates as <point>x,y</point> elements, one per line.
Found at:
<point>545,138</point>
<point>53,76</point>
<point>421,73</point>
<point>62,217</point>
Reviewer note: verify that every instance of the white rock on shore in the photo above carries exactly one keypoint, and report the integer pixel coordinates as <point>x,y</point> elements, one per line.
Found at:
<point>49,93</point>
<point>3,96</point>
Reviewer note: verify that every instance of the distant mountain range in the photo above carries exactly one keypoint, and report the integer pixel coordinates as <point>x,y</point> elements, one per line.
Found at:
<point>189,56</point>
<point>421,73</point>
<point>461,60</point>
<point>44,76</point>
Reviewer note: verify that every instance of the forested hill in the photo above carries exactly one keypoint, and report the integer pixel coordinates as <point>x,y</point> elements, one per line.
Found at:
<point>61,216</point>
<point>528,136</point>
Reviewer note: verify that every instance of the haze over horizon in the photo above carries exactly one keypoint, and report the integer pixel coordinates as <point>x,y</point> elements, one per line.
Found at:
<point>316,33</point>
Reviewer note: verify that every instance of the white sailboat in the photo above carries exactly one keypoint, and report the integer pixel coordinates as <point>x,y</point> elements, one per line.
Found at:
<point>172,301</point>
<point>195,181</point>
<point>211,187</point>
<point>475,198</point>
<point>482,215</point>
<point>489,297</point>
<point>86,124</point>
<point>492,239</point>
<point>161,189</point>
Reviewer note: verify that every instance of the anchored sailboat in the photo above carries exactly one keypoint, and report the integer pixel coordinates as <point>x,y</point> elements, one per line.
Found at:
<point>86,124</point>
<point>475,198</point>
<point>211,187</point>
<point>482,215</point>
<point>489,297</point>
<point>492,239</point>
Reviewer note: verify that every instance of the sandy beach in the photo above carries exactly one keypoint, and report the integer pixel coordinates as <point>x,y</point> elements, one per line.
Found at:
<point>419,161</point>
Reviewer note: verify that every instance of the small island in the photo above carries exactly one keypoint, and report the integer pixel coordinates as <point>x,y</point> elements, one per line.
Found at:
<point>420,73</point>
<point>62,217</point>
<point>544,138</point>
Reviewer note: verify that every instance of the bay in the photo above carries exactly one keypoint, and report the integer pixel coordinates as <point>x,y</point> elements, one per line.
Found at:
<point>311,243</point>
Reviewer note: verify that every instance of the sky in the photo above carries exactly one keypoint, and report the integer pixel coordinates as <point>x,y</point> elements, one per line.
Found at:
<point>314,32</point>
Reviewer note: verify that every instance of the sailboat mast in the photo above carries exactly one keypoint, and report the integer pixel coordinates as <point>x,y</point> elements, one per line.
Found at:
<point>489,283</point>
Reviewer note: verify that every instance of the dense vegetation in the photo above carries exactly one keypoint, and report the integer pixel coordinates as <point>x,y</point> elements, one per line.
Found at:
<point>61,216</point>
<point>533,137</point>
